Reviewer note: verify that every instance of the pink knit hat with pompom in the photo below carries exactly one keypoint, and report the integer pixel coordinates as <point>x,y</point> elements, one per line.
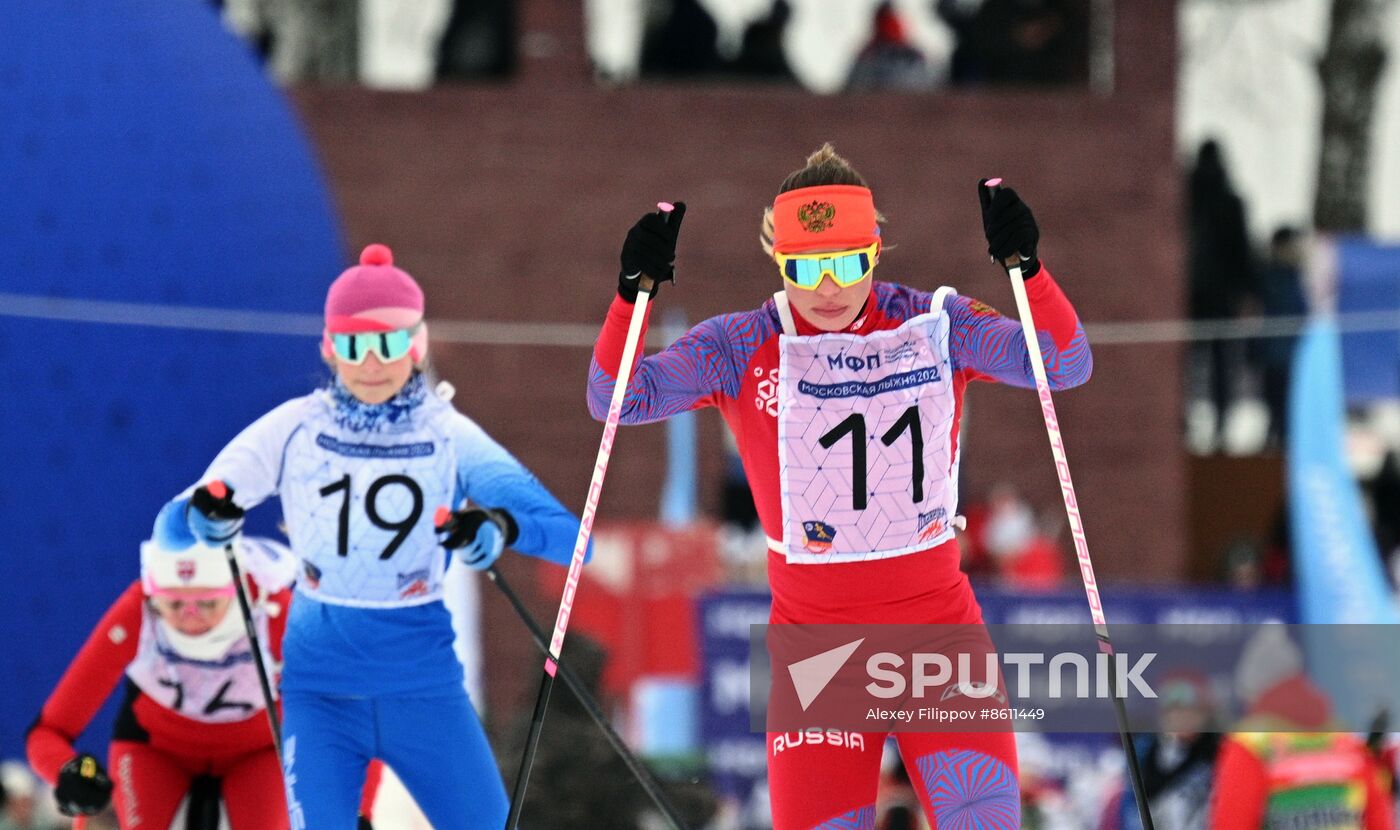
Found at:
<point>375,296</point>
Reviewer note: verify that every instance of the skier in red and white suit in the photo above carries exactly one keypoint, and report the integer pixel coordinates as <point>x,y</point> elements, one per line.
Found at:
<point>193,705</point>
<point>894,361</point>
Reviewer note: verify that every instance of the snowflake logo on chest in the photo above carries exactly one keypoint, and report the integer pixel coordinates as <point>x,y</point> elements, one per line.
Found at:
<point>767,398</point>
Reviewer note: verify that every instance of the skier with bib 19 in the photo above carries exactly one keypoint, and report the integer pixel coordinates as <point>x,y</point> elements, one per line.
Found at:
<point>360,467</point>
<point>832,560</point>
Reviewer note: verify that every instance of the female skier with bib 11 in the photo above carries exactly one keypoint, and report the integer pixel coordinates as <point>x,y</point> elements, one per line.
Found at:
<point>831,559</point>
<point>369,666</point>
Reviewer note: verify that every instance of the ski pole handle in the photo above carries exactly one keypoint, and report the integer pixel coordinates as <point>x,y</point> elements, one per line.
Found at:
<point>644,282</point>
<point>222,496</point>
<point>993,185</point>
<point>215,501</point>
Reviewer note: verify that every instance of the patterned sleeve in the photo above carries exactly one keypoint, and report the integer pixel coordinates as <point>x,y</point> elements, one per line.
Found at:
<point>690,373</point>
<point>990,346</point>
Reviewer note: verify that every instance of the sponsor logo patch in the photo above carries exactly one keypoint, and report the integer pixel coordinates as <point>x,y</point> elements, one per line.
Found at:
<point>820,535</point>
<point>413,584</point>
<point>932,523</point>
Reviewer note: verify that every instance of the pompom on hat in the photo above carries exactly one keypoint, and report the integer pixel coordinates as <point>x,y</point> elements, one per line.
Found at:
<point>375,296</point>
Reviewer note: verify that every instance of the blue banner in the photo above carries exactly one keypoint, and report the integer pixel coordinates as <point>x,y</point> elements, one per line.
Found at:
<point>1368,281</point>
<point>1338,567</point>
<point>735,757</point>
<point>1339,574</point>
<point>1139,606</point>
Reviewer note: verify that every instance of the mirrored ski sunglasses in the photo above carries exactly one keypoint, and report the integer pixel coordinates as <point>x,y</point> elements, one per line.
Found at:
<point>388,345</point>
<point>846,268</point>
<point>203,603</point>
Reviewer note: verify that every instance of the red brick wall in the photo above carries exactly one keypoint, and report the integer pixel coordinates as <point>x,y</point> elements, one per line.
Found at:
<point>509,203</point>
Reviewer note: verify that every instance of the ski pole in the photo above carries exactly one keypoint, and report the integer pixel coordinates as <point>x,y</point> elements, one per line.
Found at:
<point>1076,523</point>
<point>585,530</point>
<point>221,492</point>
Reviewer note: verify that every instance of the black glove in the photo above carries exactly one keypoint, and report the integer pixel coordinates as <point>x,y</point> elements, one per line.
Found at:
<point>83,788</point>
<point>1010,227</point>
<point>477,535</point>
<point>214,519</point>
<point>650,248</point>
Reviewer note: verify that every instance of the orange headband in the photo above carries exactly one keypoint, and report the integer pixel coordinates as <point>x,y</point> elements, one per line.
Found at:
<point>836,217</point>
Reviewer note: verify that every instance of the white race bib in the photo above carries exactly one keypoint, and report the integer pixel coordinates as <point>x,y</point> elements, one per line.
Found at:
<point>359,510</point>
<point>865,429</point>
<point>214,691</point>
